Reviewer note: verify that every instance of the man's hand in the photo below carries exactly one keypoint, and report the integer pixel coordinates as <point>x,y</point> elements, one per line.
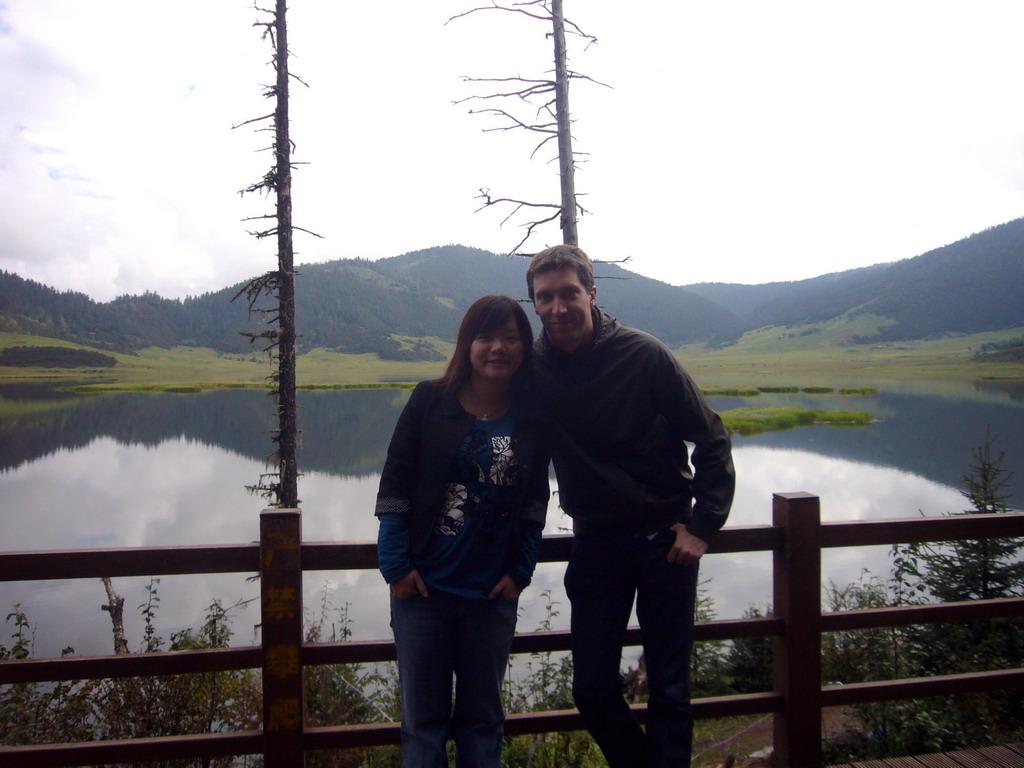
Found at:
<point>507,587</point>
<point>409,585</point>
<point>687,549</point>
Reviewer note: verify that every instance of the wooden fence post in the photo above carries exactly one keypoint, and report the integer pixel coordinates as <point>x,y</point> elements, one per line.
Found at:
<point>281,602</point>
<point>797,652</point>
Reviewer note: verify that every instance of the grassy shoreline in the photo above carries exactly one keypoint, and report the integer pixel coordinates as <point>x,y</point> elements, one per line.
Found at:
<point>771,355</point>
<point>753,364</point>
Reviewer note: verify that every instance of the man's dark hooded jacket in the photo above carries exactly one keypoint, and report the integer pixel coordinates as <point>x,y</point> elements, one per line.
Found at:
<point>621,410</point>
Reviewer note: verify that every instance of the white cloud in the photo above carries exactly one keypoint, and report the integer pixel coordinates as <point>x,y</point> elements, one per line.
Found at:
<point>741,142</point>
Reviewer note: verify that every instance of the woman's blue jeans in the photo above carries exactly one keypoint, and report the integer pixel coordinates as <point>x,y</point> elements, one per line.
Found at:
<point>440,637</point>
<point>603,576</point>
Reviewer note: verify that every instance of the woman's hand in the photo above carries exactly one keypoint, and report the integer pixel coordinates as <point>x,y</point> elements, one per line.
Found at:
<point>409,585</point>
<point>507,587</point>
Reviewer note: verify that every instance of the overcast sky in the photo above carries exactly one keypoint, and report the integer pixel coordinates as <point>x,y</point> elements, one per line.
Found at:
<point>743,141</point>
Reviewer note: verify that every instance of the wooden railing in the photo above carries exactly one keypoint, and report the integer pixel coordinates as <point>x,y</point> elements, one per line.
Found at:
<point>796,539</point>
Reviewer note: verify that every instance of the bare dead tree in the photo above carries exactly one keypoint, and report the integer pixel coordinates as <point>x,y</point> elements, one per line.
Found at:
<point>115,607</point>
<point>548,97</point>
<point>281,486</point>
<point>566,163</point>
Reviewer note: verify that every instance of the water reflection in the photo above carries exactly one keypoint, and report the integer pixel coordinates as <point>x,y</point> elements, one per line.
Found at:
<point>344,433</point>
<point>1012,389</point>
<point>135,470</point>
<point>926,434</point>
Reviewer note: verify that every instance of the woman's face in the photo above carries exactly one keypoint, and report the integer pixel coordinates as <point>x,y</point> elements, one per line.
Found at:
<point>497,354</point>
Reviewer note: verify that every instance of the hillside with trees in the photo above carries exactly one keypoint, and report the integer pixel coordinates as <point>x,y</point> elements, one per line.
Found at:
<point>360,306</point>
<point>348,305</point>
<point>969,286</point>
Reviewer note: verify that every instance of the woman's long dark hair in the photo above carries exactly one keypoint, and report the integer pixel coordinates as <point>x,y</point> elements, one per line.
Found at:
<point>486,314</point>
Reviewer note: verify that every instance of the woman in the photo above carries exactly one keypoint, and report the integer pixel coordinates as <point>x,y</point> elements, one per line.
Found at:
<point>461,505</point>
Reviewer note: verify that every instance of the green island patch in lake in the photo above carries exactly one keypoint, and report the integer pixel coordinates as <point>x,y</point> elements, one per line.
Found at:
<point>751,391</point>
<point>750,421</point>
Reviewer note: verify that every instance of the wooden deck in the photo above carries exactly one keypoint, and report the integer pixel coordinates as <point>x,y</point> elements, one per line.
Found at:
<point>1009,756</point>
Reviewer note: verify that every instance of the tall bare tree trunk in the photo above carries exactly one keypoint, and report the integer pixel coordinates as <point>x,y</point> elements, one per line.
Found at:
<point>566,168</point>
<point>279,283</point>
<point>286,407</point>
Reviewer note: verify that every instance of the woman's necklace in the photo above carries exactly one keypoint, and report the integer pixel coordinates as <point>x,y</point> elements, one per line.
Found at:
<point>497,411</point>
<point>485,411</point>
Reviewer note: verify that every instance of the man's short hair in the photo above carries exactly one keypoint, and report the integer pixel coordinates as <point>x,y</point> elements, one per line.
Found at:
<point>560,257</point>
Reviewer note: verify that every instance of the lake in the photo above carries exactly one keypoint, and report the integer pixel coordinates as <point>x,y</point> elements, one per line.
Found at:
<point>132,470</point>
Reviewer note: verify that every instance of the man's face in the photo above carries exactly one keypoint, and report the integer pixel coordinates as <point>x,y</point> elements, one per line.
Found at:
<point>563,305</point>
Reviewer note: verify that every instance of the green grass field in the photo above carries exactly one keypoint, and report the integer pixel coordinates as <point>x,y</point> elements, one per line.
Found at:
<point>825,357</point>
<point>155,368</point>
<point>811,357</point>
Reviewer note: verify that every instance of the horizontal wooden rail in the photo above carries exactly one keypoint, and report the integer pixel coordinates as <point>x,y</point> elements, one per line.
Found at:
<point>133,750</point>
<point>921,687</point>
<point>244,558</point>
<point>325,556</point>
<point>936,613</point>
<point>350,652</point>
<point>522,723</point>
<point>130,665</point>
<point>864,533</point>
<point>129,561</point>
<point>225,659</point>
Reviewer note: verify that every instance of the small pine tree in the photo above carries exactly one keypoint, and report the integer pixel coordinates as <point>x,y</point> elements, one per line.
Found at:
<point>961,571</point>
<point>970,569</point>
<point>860,655</point>
<point>748,662</point>
<point>710,656</point>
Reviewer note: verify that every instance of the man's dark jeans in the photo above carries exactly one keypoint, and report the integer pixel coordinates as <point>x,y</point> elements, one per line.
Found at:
<point>604,574</point>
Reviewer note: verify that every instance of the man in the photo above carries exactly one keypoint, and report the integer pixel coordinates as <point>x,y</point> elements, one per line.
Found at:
<point>622,410</point>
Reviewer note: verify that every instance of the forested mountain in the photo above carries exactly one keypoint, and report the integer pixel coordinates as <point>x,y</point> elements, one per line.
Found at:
<point>349,305</point>
<point>669,312</point>
<point>343,305</point>
<point>385,306</point>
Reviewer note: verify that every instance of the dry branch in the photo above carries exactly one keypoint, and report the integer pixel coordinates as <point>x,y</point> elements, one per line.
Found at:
<point>522,8</point>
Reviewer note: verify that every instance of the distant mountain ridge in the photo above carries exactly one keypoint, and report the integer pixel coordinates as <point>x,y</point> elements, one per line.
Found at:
<point>973,285</point>
<point>394,306</point>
